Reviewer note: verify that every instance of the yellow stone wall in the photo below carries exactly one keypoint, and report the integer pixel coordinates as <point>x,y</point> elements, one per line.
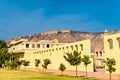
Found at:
<point>114,52</point>
<point>56,53</point>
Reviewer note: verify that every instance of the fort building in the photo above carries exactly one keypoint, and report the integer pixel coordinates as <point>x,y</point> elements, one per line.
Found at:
<point>98,46</point>
<point>51,49</point>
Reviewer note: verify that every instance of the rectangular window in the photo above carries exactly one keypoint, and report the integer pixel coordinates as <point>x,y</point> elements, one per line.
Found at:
<point>27,45</point>
<point>38,45</point>
<point>43,45</point>
<point>47,46</point>
<point>33,45</point>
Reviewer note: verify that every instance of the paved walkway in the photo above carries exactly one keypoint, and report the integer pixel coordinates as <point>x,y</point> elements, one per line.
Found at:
<point>96,75</point>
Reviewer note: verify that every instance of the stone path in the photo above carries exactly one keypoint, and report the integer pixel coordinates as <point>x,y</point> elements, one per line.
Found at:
<point>96,75</point>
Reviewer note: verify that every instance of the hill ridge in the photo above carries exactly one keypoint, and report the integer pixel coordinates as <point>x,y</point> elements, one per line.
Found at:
<point>68,36</point>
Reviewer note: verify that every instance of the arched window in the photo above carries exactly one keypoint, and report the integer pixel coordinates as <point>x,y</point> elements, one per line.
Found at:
<point>110,41</point>
<point>76,46</point>
<point>67,47</point>
<point>100,53</point>
<point>59,48</point>
<point>56,49</point>
<point>71,47</point>
<point>52,49</point>
<point>81,46</point>
<point>96,54</point>
<point>118,39</point>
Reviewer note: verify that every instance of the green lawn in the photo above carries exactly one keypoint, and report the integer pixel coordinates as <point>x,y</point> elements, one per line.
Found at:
<point>8,74</point>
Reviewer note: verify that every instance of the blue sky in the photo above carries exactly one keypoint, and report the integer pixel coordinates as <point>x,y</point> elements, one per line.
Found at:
<point>25,17</point>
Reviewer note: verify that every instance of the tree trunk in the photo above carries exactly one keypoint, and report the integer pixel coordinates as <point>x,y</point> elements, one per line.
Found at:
<point>76,71</point>
<point>86,71</point>
<point>43,69</point>
<point>62,73</point>
<point>24,67</point>
<point>36,69</point>
<point>110,76</point>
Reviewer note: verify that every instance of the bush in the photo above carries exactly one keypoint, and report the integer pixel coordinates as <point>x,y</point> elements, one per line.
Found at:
<point>62,68</point>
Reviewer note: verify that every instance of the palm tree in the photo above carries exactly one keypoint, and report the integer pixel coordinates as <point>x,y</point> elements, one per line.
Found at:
<point>86,61</point>
<point>73,58</point>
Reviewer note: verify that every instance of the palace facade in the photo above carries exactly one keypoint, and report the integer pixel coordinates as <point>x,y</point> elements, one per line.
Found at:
<point>55,50</point>
<point>51,49</point>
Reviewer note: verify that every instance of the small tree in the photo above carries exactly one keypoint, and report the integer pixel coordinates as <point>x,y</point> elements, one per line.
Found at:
<point>4,55</point>
<point>110,63</point>
<point>3,44</point>
<point>7,64</point>
<point>46,63</point>
<point>73,58</point>
<point>26,63</point>
<point>19,63</point>
<point>86,61</point>
<point>37,62</point>
<point>16,63</point>
<point>43,67</point>
<point>62,68</point>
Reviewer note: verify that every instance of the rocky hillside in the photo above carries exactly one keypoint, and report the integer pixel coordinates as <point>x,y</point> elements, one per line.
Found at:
<point>66,36</point>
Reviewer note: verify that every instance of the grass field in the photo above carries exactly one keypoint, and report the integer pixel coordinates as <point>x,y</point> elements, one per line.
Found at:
<point>8,74</point>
